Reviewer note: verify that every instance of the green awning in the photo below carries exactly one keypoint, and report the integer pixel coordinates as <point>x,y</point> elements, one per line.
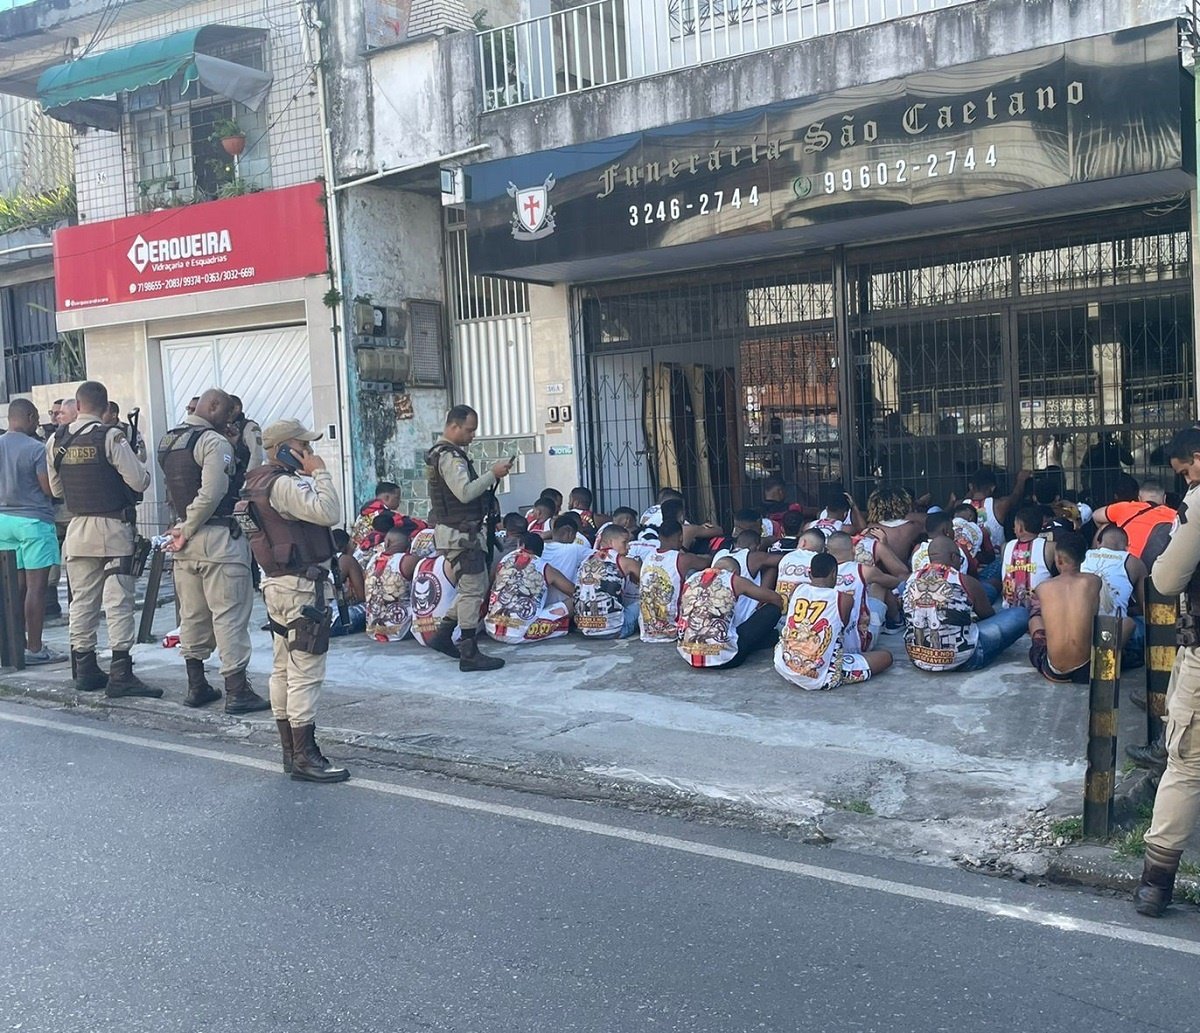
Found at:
<point>79,91</point>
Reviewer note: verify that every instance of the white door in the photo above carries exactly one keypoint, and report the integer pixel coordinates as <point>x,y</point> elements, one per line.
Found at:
<point>268,369</point>
<point>619,390</point>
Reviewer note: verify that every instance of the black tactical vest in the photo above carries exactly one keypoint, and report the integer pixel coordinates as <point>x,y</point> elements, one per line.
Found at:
<point>177,457</point>
<point>91,484</point>
<point>282,546</point>
<point>444,506</point>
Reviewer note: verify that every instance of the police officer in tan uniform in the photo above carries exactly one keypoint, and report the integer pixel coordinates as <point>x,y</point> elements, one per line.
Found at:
<point>212,557</point>
<point>290,505</point>
<point>93,469</point>
<point>459,500</point>
<point>246,435</point>
<point>1177,805</point>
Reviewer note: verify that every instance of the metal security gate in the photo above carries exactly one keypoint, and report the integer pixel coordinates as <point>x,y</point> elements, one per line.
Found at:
<point>1065,346</point>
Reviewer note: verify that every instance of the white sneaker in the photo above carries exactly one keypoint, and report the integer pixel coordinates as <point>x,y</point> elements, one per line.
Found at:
<point>45,655</point>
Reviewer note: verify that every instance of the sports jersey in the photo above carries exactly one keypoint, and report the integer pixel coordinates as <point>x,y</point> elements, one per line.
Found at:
<point>433,597</point>
<point>388,591</point>
<point>423,544</point>
<point>986,508</point>
<point>1109,566</point>
<point>793,571</point>
<point>865,549</point>
<point>858,631</point>
<point>517,607</point>
<point>600,595</point>
<point>940,632</point>
<point>661,584</point>
<point>920,559</point>
<point>1024,568</point>
<point>809,651</point>
<point>710,610</point>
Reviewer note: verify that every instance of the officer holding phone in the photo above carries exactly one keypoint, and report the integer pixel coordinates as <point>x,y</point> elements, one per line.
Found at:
<point>460,502</point>
<point>288,508</point>
<point>212,558</point>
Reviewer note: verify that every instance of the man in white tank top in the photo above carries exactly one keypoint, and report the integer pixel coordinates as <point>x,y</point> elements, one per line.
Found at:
<point>434,593</point>
<point>811,651</point>
<point>794,566</point>
<point>601,587</point>
<point>1123,575</point>
<point>662,575</point>
<point>867,586</point>
<point>518,610</point>
<point>724,616</point>
<point>1027,559</point>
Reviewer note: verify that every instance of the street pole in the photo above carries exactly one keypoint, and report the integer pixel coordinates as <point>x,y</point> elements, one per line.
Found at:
<point>1102,727</point>
<point>1162,611</point>
<point>12,613</point>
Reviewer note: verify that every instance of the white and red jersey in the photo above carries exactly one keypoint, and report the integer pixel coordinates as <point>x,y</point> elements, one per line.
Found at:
<point>828,525</point>
<point>517,610</point>
<point>661,583</point>
<point>600,595</point>
<point>851,582</point>
<point>433,597</point>
<point>1024,569</point>
<point>866,549</point>
<point>920,559</point>
<point>1109,566</point>
<point>388,592</point>
<point>638,550</point>
<point>536,526</point>
<point>710,611</point>
<point>986,509</point>
<point>794,570</point>
<point>742,558</point>
<point>809,652</point>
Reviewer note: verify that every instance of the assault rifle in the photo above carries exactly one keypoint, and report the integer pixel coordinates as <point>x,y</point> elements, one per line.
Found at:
<point>134,417</point>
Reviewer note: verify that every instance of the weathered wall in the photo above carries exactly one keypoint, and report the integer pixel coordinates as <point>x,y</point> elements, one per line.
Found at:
<point>392,241</point>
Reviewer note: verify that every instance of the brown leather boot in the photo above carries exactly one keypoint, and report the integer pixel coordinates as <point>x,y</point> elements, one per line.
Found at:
<point>123,682</point>
<point>88,676</point>
<point>285,740</point>
<point>471,659</point>
<point>1158,881</point>
<point>240,697</point>
<point>443,641</point>
<point>307,763</point>
<point>199,692</point>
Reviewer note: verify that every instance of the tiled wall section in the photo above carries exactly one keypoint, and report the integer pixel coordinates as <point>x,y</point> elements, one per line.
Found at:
<point>414,488</point>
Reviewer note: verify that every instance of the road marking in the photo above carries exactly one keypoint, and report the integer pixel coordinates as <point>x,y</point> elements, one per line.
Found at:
<point>1019,913</point>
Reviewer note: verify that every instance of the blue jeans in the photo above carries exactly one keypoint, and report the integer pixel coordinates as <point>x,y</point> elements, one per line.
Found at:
<point>991,591</point>
<point>996,634</point>
<point>632,613</point>
<point>358,620</point>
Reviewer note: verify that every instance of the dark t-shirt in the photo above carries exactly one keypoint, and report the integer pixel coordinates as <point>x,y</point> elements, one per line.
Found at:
<point>22,458</point>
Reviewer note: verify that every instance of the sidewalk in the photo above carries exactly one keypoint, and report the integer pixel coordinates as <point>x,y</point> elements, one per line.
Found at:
<point>908,764</point>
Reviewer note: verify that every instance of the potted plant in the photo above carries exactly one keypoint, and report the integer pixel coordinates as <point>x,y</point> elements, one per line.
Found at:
<point>231,136</point>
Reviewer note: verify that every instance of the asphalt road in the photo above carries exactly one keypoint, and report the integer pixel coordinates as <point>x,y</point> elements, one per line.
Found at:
<point>158,884</point>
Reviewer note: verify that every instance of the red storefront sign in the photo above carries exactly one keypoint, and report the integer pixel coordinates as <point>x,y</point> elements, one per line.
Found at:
<point>256,238</point>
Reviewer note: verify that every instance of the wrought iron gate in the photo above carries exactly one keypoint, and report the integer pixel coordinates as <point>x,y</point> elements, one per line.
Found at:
<point>911,363</point>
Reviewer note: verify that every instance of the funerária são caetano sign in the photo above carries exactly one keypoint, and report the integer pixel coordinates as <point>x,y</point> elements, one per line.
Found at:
<point>1093,109</point>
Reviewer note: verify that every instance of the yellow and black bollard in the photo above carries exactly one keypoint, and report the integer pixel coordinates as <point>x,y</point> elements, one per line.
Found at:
<point>1102,727</point>
<point>1162,611</point>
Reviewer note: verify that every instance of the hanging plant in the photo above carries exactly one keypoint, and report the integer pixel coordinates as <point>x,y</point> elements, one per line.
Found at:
<point>230,136</point>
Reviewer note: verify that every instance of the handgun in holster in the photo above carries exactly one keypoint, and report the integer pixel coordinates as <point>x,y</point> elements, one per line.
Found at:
<point>1187,624</point>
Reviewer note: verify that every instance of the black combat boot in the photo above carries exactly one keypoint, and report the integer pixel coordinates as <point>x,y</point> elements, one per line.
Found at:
<point>307,763</point>
<point>285,740</point>
<point>471,659</point>
<point>88,676</point>
<point>199,692</point>
<point>443,641</point>
<point>1158,881</point>
<point>123,682</point>
<point>1152,758</point>
<point>240,697</point>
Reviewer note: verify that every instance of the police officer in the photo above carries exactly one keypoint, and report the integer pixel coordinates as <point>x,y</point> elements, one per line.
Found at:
<point>1177,805</point>
<point>246,435</point>
<point>292,505</point>
<point>212,558</point>
<point>459,502</point>
<point>93,469</point>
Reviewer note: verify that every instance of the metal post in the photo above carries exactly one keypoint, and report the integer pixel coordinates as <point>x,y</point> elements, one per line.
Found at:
<point>12,613</point>
<point>1102,727</point>
<point>150,603</point>
<point>1161,613</point>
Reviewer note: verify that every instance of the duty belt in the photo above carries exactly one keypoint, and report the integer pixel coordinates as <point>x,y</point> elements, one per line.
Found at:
<point>227,522</point>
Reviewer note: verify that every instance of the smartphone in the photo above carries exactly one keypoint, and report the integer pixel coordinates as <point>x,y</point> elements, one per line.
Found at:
<point>286,457</point>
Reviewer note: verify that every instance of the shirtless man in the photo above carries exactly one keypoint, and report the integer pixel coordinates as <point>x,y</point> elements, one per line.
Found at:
<point>1061,618</point>
<point>890,510</point>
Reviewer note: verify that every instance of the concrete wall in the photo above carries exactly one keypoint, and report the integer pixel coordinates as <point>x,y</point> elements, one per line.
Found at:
<point>392,244</point>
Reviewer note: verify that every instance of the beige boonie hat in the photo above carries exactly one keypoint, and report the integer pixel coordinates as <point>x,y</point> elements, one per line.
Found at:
<point>287,430</point>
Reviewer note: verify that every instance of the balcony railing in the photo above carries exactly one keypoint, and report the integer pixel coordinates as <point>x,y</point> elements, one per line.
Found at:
<point>609,41</point>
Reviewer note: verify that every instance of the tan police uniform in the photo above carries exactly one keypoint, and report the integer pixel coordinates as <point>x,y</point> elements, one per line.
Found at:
<point>252,440</point>
<point>212,568</point>
<point>294,514</point>
<point>458,499</point>
<point>1177,804</point>
<point>93,469</point>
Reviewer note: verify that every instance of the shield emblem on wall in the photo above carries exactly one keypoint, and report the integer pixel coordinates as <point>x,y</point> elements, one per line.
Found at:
<point>533,216</point>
